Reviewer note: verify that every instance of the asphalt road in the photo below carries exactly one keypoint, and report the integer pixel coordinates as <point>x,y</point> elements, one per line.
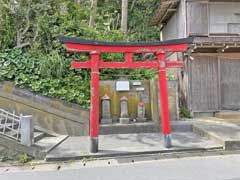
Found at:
<point>195,168</point>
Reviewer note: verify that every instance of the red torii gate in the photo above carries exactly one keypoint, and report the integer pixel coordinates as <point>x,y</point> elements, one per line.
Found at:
<point>95,48</point>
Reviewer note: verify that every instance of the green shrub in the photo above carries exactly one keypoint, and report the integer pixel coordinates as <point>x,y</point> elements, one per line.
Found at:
<point>23,158</point>
<point>185,113</point>
<point>52,65</point>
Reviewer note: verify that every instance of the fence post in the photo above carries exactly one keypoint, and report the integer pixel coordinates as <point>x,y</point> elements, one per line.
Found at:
<point>26,130</point>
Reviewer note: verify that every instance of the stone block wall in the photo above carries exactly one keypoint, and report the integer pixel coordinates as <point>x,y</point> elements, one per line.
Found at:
<point>150,95</point>
<point>109,87</point>
<point>172,100</point>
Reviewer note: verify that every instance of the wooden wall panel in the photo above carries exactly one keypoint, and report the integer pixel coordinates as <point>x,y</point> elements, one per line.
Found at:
<point>230,83</point>
<point>197,18</point>
<point>204,84</point>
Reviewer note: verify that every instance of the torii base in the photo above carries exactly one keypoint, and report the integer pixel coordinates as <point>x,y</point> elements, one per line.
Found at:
<point>93,144</point>
<point>168,141</point>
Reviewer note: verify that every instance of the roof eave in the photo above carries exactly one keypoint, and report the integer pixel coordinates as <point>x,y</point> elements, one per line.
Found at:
<point>164,12</point>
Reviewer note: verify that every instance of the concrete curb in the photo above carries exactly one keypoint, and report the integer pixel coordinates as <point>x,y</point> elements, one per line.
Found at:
<point>100,156</point>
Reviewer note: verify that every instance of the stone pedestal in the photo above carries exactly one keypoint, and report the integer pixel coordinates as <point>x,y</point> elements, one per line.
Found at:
<point>106,115</point>
<point>26,130</point>
<point>124,117</point>
<point>141,112</point>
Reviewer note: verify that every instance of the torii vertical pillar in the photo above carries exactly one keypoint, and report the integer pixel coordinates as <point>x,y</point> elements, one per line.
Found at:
<point>163,99</point>
<point>94,100</point>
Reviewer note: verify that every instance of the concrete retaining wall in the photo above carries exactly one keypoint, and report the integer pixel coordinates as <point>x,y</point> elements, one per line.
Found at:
<point>49,113</point>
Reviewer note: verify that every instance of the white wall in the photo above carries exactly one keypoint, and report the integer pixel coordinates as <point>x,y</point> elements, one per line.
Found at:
<point>181,18</point>
<point>170,30</point>
<point>175,28</point>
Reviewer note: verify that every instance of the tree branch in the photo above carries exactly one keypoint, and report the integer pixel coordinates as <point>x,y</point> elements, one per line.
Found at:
<point>147,56</point>
<point>132,5</point>
<point>93,13</point>
<point>124,18</point>
<point>22,45</point>
<point>35,34</point>
<point>27,22</point>
<point>19,38</point>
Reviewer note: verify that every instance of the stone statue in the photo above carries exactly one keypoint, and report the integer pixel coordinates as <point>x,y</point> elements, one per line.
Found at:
<point>106,115</point>
<point>124,117</point>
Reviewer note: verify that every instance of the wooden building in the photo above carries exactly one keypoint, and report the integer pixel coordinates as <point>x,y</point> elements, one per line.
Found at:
<point>210,81</point>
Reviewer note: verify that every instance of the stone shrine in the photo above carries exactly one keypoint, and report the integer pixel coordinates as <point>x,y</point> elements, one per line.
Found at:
<point>124,117</point>
<point>106,116</point>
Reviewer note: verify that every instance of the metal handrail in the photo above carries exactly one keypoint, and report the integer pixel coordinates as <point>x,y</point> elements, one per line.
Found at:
<point>10,124</point>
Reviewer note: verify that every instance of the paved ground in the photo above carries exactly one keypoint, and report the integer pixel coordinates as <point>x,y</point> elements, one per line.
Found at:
<point>125,144</point>
<point>197,168</point>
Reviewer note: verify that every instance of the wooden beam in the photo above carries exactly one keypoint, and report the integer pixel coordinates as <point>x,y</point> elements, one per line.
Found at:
<point>169,11</point>
<point>121,49</point>
<point>169,2</point>
<point>126,64</point>
<point>172,10</point>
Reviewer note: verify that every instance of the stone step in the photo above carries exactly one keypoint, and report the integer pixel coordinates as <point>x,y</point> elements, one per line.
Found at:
<point>38,135</point>
<point>117,128</point>
<point>11,133</point>
<point>228,115</point>
<point>227,134</point>
<point>44,142</point>
<point>145,127</point>
<point>48,143</point>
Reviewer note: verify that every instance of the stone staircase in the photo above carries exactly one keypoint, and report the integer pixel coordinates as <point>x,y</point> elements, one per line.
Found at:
<point>43,141</point>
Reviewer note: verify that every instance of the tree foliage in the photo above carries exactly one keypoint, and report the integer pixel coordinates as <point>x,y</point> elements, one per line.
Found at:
<point>32,57</point>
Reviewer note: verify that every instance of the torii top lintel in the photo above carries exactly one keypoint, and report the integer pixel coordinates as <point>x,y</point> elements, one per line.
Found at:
<point>81,45</point>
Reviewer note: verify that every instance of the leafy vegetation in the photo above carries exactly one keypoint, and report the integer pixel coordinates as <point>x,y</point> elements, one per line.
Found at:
<point>23,158</point>
<point>185,113</point>
<point>28,72</point>
<point>32,57</point>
